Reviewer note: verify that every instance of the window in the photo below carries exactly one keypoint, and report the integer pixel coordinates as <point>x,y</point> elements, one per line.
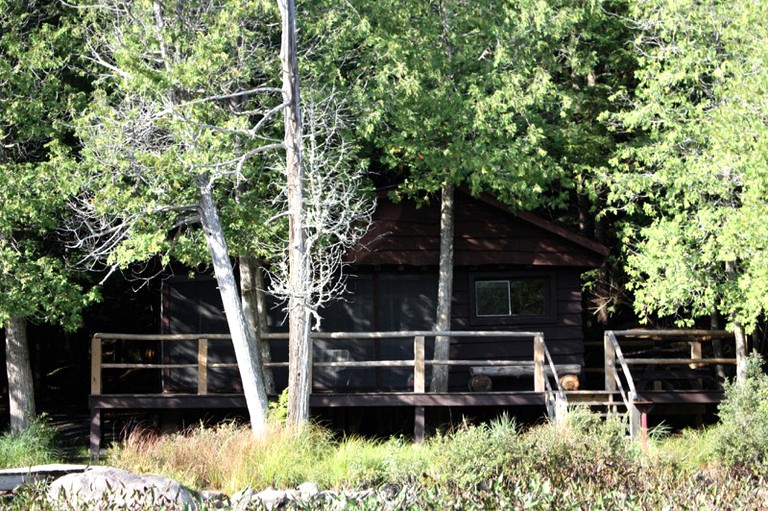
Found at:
<point>512,299</point>
<point>492,298</point>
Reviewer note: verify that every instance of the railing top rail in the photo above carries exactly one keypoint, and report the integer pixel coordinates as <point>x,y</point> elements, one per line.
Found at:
<point>672,333</point>
<point>320,335</point>
<point>159,337</point>
<point>425,333</point>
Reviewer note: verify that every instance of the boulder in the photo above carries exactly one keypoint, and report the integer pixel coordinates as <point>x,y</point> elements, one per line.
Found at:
<point>106,488</point>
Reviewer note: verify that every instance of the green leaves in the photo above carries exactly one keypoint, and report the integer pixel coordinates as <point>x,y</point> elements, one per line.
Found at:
<point>699,173</point>
<point>501,96</point>
<point>37,90</point>
<point>184,93</point>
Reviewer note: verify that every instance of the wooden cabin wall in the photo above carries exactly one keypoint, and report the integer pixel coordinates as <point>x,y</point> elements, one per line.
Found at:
<point>563,332</point>
<point>193,306</point>
<point>376,301</point>
<point>388,299</point>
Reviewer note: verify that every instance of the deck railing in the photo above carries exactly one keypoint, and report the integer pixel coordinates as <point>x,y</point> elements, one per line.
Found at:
<point>619,378</point>
<point>615,383</point>
<point>419,362</point>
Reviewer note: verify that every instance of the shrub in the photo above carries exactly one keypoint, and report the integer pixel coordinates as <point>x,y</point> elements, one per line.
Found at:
<point>474,453</point>
<point>36,445</point>
<point>742,434</point>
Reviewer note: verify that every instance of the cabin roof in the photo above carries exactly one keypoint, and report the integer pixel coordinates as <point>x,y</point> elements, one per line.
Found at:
<point>486,232</point>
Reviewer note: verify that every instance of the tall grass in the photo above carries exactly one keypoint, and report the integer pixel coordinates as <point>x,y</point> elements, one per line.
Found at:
<point>36,445</point>
<point>583,463</point>
<point>229,458</point>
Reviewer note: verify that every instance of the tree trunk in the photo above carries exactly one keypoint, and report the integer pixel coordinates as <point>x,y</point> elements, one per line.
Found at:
<point>21,392</point>
<point>255,310</point>
<point>245,351</point>
<point>739,334</point>
<point>717,346</point>
<point>741,352</point>
<point>444,290</point>
<point>299,341</point>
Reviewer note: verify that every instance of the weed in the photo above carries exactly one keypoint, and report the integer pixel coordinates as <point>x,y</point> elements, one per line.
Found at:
<point>36,445</point>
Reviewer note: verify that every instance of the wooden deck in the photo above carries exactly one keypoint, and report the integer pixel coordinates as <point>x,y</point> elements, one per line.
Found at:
<point>634,381</point>
<point>418,402</point>
<point>544,392</point>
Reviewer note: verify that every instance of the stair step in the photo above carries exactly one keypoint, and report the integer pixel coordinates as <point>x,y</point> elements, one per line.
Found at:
<point>591,392</point>
<point>597,403</point>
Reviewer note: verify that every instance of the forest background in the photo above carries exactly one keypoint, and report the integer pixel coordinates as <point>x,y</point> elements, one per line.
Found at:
<point>640,124</point>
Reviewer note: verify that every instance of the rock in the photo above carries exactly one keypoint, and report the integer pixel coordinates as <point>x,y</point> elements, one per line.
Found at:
<point>308,490</point>
<point>271,499</point>
<point>105,488</point>
<point>214,499</point>
<point>241,499</point>
<point>267,499</point>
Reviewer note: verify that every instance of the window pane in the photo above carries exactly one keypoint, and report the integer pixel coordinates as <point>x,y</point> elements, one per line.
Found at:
<point>492,298</point>
<point>529,297</point>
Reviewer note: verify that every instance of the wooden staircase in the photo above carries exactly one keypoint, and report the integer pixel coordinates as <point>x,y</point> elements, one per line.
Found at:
<point>645,368</point>
<point>602,402</point>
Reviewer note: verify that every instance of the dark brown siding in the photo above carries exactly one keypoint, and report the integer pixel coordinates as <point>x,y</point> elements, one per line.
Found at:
<point>404,234</point>
<point>563,334</point>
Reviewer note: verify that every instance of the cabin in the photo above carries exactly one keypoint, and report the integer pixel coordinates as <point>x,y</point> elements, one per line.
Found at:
<point>513,271</point>
<point>516,332</point>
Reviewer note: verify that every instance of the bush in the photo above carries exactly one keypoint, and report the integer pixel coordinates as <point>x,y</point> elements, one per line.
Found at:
<point>473,453</point>
<point>36,445</point>
<point>741,437</point>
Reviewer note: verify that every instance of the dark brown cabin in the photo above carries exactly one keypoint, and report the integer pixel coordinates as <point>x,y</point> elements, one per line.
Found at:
<point>513,271</point>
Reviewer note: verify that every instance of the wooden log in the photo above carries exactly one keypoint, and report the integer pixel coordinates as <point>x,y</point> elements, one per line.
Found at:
<point>419,375</point>
<point>147,366</point>
<point>569,382</point>
<point>696,353</point>
<point>522,370</point>
<point>94,435</point>
<point>95,365</point>
<point>202,366</point>
<point>419,424</point>
<point>538,364</point>
<point>680,361</point>
<point>480,383</point>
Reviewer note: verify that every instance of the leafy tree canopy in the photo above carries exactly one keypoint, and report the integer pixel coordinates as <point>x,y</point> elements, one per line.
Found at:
<point>37,90</point>
<point>696,172</point>
<point>503,96</point>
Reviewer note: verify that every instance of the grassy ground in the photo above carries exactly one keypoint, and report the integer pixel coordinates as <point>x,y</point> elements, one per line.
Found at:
<point>586,463</point>
<point>583,463</point>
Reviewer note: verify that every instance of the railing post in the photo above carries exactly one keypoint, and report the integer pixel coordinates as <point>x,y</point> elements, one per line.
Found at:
<point>696,353</point>
<point>202,366</point>
<point>561,408</point>
<point>634,415</point>
<point>95,365</point>
<point>419,376</point>
<point>610,363</point>
<point>538,363</point>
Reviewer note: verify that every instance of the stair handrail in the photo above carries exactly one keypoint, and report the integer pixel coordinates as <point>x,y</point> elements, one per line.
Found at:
<point>557,402</point>
<point>613,354</point>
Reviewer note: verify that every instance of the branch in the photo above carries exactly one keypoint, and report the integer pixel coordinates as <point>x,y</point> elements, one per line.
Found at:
<point>218,97</point>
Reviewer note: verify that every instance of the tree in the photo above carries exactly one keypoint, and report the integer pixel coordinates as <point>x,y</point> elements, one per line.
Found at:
<point>184,105</point>
<point>498,97</point>
<point>36,92</point>
<point>696,171</point>
<point>334,212</point>
<point>299,342</point>
<point>326,207</point>
<point>167,150</point>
